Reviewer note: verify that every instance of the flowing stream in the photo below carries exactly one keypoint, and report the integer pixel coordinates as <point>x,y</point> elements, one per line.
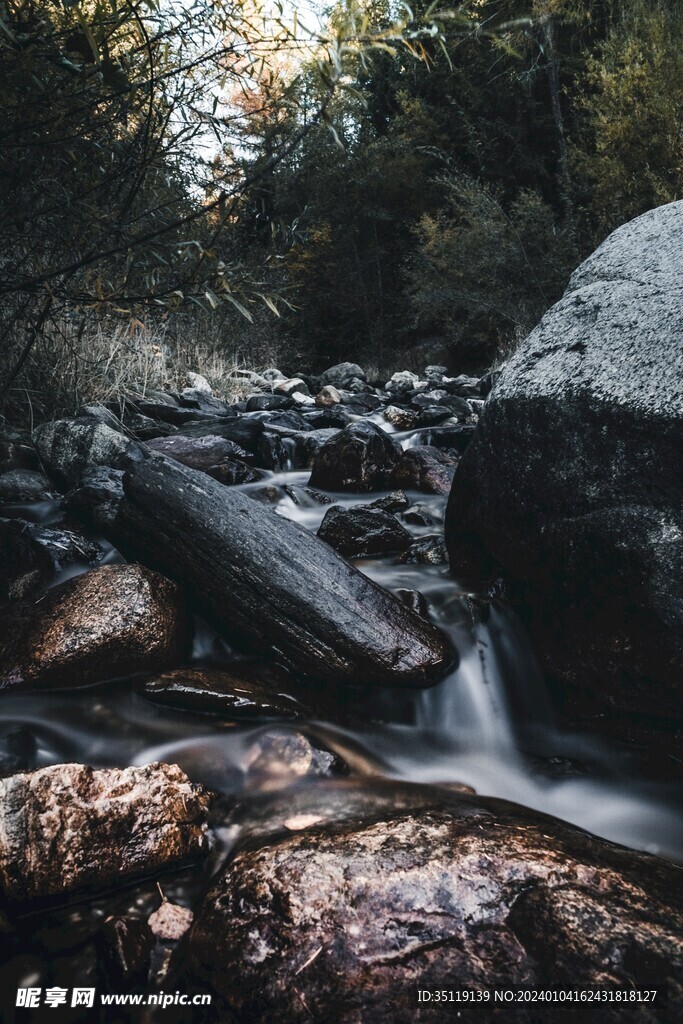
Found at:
<point>489,724</point>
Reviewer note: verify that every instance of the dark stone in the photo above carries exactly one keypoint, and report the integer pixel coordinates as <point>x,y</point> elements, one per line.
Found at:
<point>268,582</point>
<point>363,532</point>
<point>261,403</point>
<point>207,404</point>
<point>572,489</point>
<point>235,471</point>
<point>457,436</point>
<point>32,555</point>
<point>105,623</point>
<point>394,502</point>
<point>426,551</point>
<point>319,418</point>
<point>360,458</point>
<point>19,485</point>
<point>244,689</point>
<point>345,898</point>
<point>68,829</point>
<point>102,414</point>
<point>173,414</point>
<point>144,428</point>
<point>244,431</point>
<point>415,600</point>
<point>341,373</point>
<point>425,468</point>
<point>402,419</point>
<point>197,452</point>
<point>125,947</point>
<point>68,448</point>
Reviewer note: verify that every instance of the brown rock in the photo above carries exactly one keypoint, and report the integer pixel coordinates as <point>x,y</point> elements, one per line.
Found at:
<point>108,622</point>
<point>384,889</point>
<point>427,469</point>
<point>328,396</point>
<point>69,829</point>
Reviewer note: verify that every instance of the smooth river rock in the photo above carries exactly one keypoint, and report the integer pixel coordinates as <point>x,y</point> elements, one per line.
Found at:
<point>572,487</point>
<point>344,899</point>
<point>243,689</point>
<point>105,623</point>
<point>69,829</point>
<point>363,532</point>
<point>359,458</point>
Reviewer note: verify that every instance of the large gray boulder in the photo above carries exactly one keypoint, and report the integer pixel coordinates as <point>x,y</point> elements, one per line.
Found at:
<point>573,481</point>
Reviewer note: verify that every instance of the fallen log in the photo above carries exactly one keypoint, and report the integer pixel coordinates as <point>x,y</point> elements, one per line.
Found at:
<point>267,582</point>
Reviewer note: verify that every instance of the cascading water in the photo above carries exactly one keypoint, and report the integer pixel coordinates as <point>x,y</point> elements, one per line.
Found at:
<point>488,725</point>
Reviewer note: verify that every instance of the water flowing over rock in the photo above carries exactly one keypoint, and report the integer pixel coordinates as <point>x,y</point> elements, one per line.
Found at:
<point>105,623</point>
<point>67,829</point>
<point>359,458</point>
<point>354,896</point>
<point>572,482</point>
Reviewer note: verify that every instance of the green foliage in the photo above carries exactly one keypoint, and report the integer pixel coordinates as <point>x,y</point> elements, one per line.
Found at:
<point>629,141</point>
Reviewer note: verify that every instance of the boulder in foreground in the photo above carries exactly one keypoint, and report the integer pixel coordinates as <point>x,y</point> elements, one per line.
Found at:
<point>349,898</point>
<point>69,829</point>
<point>107,622</point>
<point>572,483</point>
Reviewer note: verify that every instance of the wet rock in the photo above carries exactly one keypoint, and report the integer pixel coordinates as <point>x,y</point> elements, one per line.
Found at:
<point>244,431</point>
<point>32,555</point>
<point>68,447</point>
<point>363,532</point>
<point>342,373</point>
<point>125,947</point>
<point>244,689</point>
<point>415,600</point>
<point>426,551</point>
<point>460,408</point>
<point>402,419</point>
<point>69,829</point>
<point>277,759</point>
<point>360,458</point>
<point>291,387</point>
<point>206,404</point>
<point>198,452</point>
<point>403,382</point>
<point>425,468</point>
<point>384,889</point>
<point>265,403</point>
<point>360,404</point>
<point>569,489</point>
<point>108,622</point>
<point>24,485</point>
<point>463,386</point>
<point>335,416</point>
<point>144,428</point>
<point>394,502</point>
<point>328,396</point>
<point>265,581</point>
<point>235,471</point>
<point>435,374</point>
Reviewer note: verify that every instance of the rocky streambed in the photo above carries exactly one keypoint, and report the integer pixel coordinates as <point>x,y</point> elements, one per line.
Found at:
<point>257,740</point>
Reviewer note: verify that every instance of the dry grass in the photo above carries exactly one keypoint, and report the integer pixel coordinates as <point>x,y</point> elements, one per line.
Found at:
<point>99,360</point>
